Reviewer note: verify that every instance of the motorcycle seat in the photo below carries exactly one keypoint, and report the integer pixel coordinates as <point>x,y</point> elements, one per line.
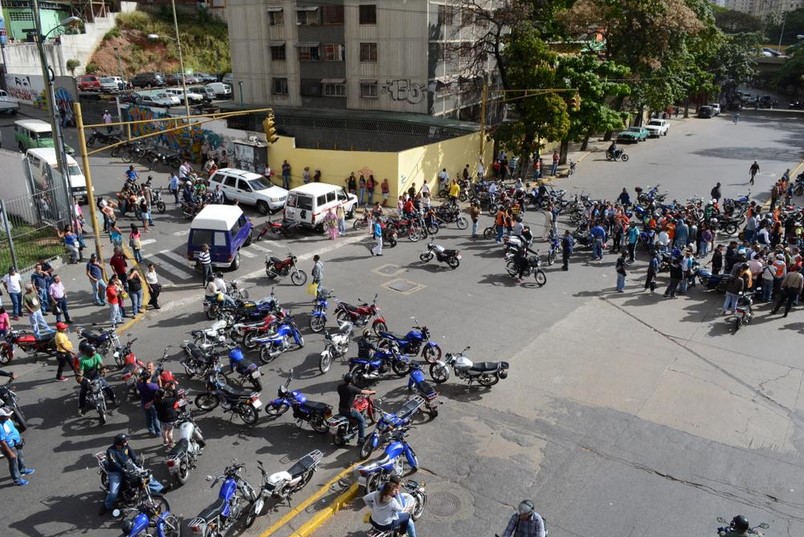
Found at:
<point>317,407</point>
<point>213,510</point>
<point>181,446</point>
<point>301,466</point>
<point>484,366</point>
<point>46,336</point>
<point>231,391</point>
<point>426,388</point>
<point>449,252</point>
<point>196,352</point>
<point>408,408</point>
<point>93,335</point>
<point>275,260</point>
<point>348,306</point>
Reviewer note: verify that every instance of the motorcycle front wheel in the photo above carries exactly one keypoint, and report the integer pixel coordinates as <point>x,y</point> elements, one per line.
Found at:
<point>268,354</point>
<point>184,473</point>
<point>488,380</point>
<point>161,207</point>
<point>298,277</point>
<point>6,353</point>
<point>462,222</point>
<point>366,449</point>
<point>253,512</point>
<point>439,373</point>
<point>432,353</point>
<point>624,157</point>
<point>421,501</point>
<point>275,411</point>
<point>373,482</point>
<point>249,339</point>
<point>317,323</point>
<point>541,277</point>
<point>247,413</point>
<point>160,503</point>
<point>400,368</point>
<point>379,327</point>
<point>325,362</point>
<point>488,233</point>
<point>207,401</point>
<point>551,258</point>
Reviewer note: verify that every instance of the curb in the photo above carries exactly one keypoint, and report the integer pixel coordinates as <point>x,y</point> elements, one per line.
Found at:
<point>322,516</point>
<point>145,295</point>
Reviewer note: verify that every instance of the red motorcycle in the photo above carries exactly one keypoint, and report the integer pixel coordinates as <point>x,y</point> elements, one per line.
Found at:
<point>282,267</point>
<point>28,342</point>
<point>360,315</point>
<point>248,332</point>
<point>132,367</point>
<point>284,228</point>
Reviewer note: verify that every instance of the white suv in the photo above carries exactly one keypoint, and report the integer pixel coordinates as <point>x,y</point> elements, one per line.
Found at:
<point>657,127</point>
<point>249,188</point>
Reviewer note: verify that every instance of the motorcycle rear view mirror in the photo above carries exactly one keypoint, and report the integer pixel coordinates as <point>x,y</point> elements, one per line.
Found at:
<point>117,513</point>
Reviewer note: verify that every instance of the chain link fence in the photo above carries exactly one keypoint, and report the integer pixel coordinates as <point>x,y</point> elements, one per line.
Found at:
<point>30,221</point>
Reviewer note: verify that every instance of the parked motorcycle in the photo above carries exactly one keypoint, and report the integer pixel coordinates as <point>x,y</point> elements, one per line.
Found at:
<point>8,397</point>
<point>360,315</point>
<point>96,397</point>
<point>275,267</point>
<point>134,489</point>
<point>104,340</point>
<point>484,373</point>
<point>196,361</point>
<point>248,332</point>
<point>388,360</point>
<point>318,317</point>
<point>103,137</point>
<point>282,485</point>
<point>304,410</point>
<point>388,424</point>
<point>285,228</point>
<point>189,445</point>
<point>413,502</point>
<point>344,428</point>
<point>450,257</point>
<point>246,370</point>
<point>744,312</point>
<point>418,382</point>
<point>618,154</point>
<point>208,339</point>
<point>718,282</point>
<point>27,342</point>
<point>249,310</point>
<point>137,521</point>
<point>336,346</point>
<point>244,403</point>
<point>285,335</point>
<point>416,340</point>
<point>132,367</point>
<point>236,499</point>
<point>157,201</point>
<point>534,266</point>
<point>392,462</point>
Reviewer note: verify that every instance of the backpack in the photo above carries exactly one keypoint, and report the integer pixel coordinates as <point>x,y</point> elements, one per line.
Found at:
<point>98,203</point>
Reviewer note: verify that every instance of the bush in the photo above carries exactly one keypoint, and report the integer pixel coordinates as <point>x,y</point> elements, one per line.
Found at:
<point>92,68</point>
<point>111,34</point>
<point>134,20</point>
<point>72,64</point>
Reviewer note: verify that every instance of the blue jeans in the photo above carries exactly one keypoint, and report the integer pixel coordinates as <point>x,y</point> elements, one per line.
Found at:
<point>404,520</point>
<point>342,225</point>
<point>151,421</point>
<point>597,249</point>
<point>749,234</point>
<point>44,299</point>
<point>620,281</point>
<point>361,194</point>
<point>286,182</point>
<point>99,292</point>
<point>730,302</point>
<point>474,228</point>
<point>361,424</point>
<point>554,169</point>
<point>703,248</point>
<point>115,317</point>
<point>370,200</point>
<point>37,322</point>
<point>137,255</point>
<point>115,479</point>
<point>16,304</point>
<point>500,230</point>
<point>16,466</point>
<point>136,302</point>
<point>767,290</point>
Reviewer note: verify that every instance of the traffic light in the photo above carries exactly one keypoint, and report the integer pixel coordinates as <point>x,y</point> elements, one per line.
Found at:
<point>575,102</point>
<point>269,126</point>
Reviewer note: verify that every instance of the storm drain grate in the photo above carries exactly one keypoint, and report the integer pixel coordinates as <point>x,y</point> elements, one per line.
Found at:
<point>443,503</point>
<point>405,287</point>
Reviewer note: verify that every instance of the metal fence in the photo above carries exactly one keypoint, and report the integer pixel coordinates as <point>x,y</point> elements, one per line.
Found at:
<point>29,223</point>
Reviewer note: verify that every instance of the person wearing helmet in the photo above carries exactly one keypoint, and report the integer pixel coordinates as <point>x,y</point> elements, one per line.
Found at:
<point>739,526</point>
<point>90,366</point>
<point>346,398</point>
<point>526,522</point>
<point>365,347</point>
<point>118,457</point>
<point>64,350</point>
<point>220,283</point>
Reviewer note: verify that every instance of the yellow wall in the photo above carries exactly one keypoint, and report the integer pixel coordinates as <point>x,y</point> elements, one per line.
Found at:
<point>401,169</point>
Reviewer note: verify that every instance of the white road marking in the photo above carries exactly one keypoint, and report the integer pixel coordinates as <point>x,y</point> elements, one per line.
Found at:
<point>247,254</point>
<point>181,233</point>
<point>147,241</point>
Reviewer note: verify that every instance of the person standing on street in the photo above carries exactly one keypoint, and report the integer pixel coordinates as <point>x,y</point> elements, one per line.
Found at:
<point>567,245</point>
<point>113,298</point>
<point>286,175</point>
<point>736,285</point>
<point>599,239</point>
<point>631,239</point>
<point>715,193</point>
<point>13,285</point>
<point>318,270</point>
<point>620,267</point>
<point>33,308</point>
<point>653,270</point>
<point>556,159</point>
<point>135,291</point>
<point>148,389</point>
<point>64,351</point>
<point>752,171</point>
<point>474,214</point>
<point>11,444</point>
<point>94,274</point>
<point>526,522</point>
<point>792,285</point>
<point>205,259</point>
<point>154,287</point>
<point>675,278</point>
<point>340,212</point>
<point>548,223</point>
<point>41,281</point>
<point>58,299</point>
<point>107,120</point>
<point>377,231</point>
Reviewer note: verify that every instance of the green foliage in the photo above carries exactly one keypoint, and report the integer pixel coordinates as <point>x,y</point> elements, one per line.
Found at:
<point>134,20</point>
<point>111,34</point>
<point>790,77</point>
<point>793,26</point>
<point>92,68</point>
<point>72,64</point>
<point>732,21</point>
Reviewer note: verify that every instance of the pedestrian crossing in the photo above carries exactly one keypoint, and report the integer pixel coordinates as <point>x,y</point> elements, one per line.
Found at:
<point>175,268</point>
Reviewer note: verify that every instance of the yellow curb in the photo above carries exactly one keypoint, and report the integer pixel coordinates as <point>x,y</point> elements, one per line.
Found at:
<point>329,511</point>
<point>793,175</point>
<point>145,296</point>
<point>325,514</point>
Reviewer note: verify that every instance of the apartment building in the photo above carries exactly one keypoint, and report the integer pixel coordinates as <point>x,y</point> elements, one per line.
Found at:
<point>361,55</point>
<point>764,8</point>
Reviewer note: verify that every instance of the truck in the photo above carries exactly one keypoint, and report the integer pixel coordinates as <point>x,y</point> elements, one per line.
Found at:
<point>8,105</point>
<point>17,186</point>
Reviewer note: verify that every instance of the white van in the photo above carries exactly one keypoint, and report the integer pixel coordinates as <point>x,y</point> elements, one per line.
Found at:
<point>308,204</point>
<point>43,159</point>
<point>249,188</point>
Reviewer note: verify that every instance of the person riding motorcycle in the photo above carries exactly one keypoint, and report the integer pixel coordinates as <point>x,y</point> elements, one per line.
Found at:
<point>387,512</point>
<point>612,150</point>
<point>346,398</point>
<point>738,527</point>
<point>90,367</point>
<point>220,283</point>
<point>119,457</point>
<point>526,522</point>
<point>365,347</point>
<point>521,259</point>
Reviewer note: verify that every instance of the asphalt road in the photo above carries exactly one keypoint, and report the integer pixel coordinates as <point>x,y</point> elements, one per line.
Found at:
<point>623,414</point>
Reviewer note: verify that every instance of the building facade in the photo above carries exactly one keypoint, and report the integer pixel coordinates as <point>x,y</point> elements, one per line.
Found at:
<point>764,9</point>
<point>354,55</point>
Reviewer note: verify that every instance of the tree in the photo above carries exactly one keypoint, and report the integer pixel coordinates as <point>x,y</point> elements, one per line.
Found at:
<point>72,65</point>
<point>736,22</point>
<point>793,26</point>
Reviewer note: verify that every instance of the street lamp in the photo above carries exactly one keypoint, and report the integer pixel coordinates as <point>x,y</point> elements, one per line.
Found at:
<point>156,37</point>
<point>55,119</point>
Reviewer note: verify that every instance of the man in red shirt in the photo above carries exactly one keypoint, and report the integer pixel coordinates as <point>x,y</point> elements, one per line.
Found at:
<point>114,301</point>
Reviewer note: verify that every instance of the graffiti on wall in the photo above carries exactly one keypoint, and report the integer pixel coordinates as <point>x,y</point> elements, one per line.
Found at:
<point>25,88</point>
<point>404,89</point>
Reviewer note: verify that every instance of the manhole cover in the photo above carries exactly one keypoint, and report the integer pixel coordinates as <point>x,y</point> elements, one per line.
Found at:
<point>404,286</point>
<point>443,503</point>
<point>388,270</point>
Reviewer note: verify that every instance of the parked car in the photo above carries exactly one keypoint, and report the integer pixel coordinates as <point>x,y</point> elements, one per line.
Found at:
<point>249,188</point>
<point>228,78</point>
<point>159,101</point>
<point>148,80</point>
<point>206,78</point>
<point>204,91</point>
<point>192,97</point>
<point>657,127</point>
<point>89,83</point>
<point>8,104</point>
<point>174,99</point>
<point>221,90</point>
<point>766,101</point>
<point>112,84</point>
<point>633,135</point>
<point>715,108</point>
<point>705,111</point>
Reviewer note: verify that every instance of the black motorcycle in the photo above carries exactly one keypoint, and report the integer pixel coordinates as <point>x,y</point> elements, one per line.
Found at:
<point>244,403</point>
<point>103,137</point>
<point>9,400</point>
<point>617,154</point>
<point>134,488</point>
<point>450,257</point>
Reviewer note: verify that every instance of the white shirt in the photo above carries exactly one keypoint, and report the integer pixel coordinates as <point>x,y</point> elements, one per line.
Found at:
<point>13,283</point>
<point>151,277</point>
<point>425,189</point>
<point>183,171</point>
<point>107,117</point>
<point>382,514</point>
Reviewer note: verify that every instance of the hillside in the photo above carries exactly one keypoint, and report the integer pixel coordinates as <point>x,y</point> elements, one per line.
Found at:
<point>204,39</point>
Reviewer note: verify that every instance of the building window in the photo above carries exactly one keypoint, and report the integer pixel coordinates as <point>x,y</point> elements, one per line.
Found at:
<point>333,15</point>
<point>280,86</point>
<point>368,52</point>
<point>309,54</point>
<point>368,14</point>
<point>368,89</point>
<point>334,52</point>
<point>307,16</point>
<point>310,87</point>
<point>278,53</point>
<point>334,89</point>
<point>445,15</point>
<point>276,18</point>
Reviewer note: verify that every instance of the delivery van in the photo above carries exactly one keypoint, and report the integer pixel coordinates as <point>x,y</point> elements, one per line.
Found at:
<point>308,204</point>
<point>42,163</point>
<point>225,229</point>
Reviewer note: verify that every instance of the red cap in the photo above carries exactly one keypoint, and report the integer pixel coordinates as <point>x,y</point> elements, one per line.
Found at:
<point>61,326</point>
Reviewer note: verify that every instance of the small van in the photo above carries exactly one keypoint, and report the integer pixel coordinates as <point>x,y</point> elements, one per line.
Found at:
<point>705,111</point>
<point>249,188</point>
<point>225,229</point>
<point>308,204</point>
<point>43,160</point>
<point>32,133</point>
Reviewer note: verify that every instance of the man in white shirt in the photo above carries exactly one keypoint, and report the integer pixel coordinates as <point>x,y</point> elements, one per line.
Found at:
<point>13,284</point>
<point>58,299</point>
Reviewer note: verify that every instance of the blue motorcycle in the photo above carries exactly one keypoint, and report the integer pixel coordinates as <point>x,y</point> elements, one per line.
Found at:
<point>272,345</point>
<point>318,317</point>
<point>366,370</point>
<point>389,423</point>
<point>304,410</point>
<point>244,369</point>
<point>415,341</point>
<point>235,498</point>
<point>418,382</point>
<point>148,514</point>
<point>555,245</point>
<point>396,454</point>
